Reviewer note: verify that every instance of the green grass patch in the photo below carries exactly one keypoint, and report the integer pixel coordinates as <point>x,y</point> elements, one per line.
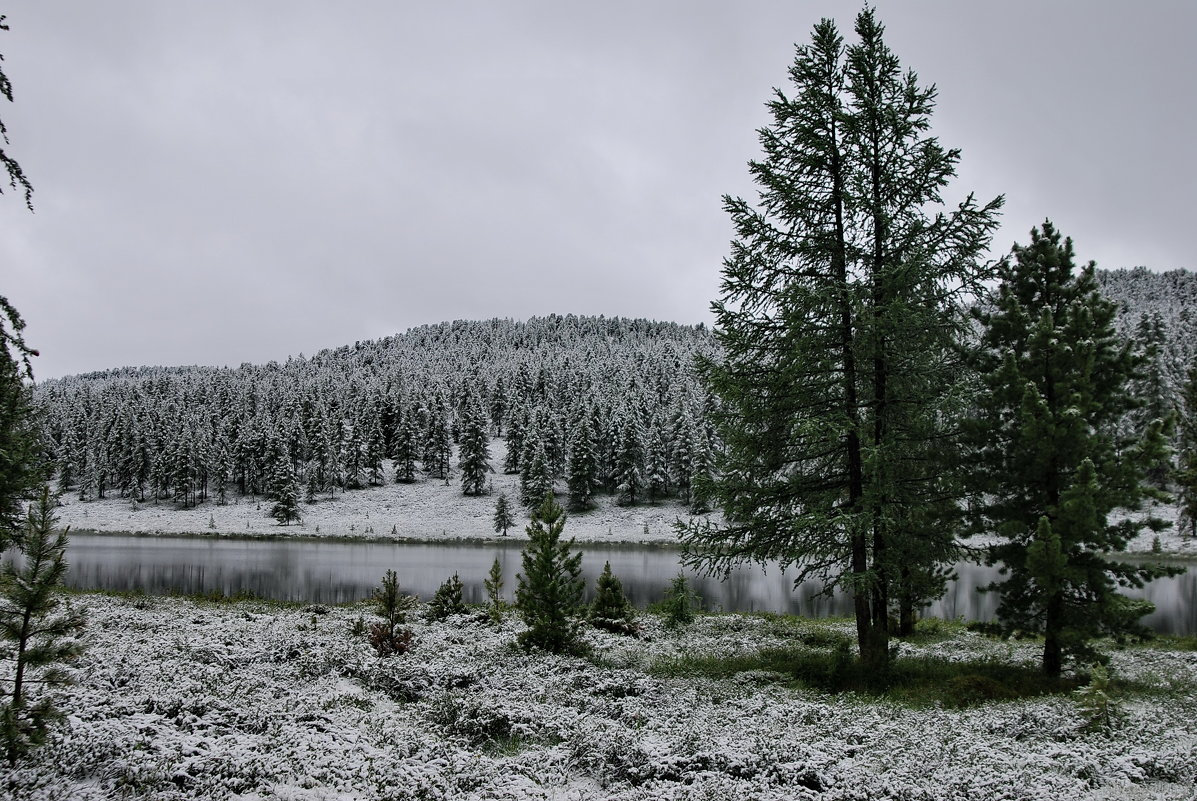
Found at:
<point>1170,642</point>
<point>916,682</point>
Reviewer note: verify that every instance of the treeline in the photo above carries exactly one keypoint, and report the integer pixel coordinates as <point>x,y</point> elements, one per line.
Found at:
<point>586,405</point>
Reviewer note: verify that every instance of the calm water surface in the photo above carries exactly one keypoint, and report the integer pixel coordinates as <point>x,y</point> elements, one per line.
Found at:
<point>338,572</point>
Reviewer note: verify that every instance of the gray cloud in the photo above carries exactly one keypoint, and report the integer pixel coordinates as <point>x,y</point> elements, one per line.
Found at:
<point>221,182</point>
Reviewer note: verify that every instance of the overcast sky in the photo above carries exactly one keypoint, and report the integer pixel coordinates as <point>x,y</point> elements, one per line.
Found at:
<point>221,182</point>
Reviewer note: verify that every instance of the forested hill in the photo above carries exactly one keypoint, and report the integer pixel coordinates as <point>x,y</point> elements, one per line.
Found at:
<point>336,419</point>
<point>619,395</point>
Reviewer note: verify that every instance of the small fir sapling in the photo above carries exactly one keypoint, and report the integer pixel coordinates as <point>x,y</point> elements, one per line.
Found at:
<point>503,517</point>
<point>447,600</point>
<point>549,591</point>
<point>494,593</point>
<point>611,610</point>
<point>679,603</point>
<point>392,606</point>
<point>37,638</point>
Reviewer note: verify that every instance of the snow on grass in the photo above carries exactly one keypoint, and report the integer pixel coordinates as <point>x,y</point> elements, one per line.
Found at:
<point>426,510</point>
<point>430,509</point>
<point>180,699</point>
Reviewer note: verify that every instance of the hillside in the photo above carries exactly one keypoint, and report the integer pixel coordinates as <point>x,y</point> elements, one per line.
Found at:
<point>371,437</point>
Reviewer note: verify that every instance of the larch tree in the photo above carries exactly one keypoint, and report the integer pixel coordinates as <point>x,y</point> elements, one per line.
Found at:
<point>1049,459</point>
<point>839,312</point>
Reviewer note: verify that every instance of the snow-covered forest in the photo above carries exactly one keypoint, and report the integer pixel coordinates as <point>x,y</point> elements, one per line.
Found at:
<point>596,405</point>
<point>590,406</point>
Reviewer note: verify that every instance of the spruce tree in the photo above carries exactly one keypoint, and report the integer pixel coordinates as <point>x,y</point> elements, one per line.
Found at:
<point>406,450</point>
<point>535,479</point>
<point>549,590</point>
<point>610,609</point>
<point>41,634</point>
<point>629,461</point>
<point>1049,461</point>
<point>284,491</point>
<point>494,593</point>
<point>22,466</point>
<point>1186,473</point>
<point>583,467</point>
<point>503,518</point>
<point>387,638</point>
<point>447,600</point>
<point>474,454</point>
<point>839,312</point>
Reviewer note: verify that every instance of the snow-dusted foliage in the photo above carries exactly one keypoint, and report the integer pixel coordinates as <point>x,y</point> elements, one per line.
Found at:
<point>203,435</point>
<point>1169,299</point>
<point>184,700</point>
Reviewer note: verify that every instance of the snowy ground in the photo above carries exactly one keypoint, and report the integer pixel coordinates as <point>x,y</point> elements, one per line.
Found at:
<point>427,510</point>
<point>180,699</point>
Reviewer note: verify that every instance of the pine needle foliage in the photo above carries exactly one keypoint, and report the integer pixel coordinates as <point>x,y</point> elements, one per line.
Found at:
<point>503,519</point>
<point>392,606</point>
<point>1049,459</point>
<point>447,600</point>
<point>839,316</point>
<point>679,603</point>
<point>549,590</point>
<point>495,605</point>
<point>37,635</point>
<point>611,609</point>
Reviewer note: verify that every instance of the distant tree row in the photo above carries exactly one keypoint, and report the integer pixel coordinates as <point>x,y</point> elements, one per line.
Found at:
<point>586,406</point>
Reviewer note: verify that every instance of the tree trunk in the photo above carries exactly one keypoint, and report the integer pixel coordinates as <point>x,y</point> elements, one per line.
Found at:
<point>1052,651</point>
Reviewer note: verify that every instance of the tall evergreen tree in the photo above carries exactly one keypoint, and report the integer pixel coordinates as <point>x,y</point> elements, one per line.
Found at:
<point>1048,462</point>
<point>42,636</point>
<point>503,519</point>
<point>474,454</point>
<point>840,300</point>
<point>284,491</point>
<point>1186,473</point>
<point>583,466</point>
<point>535,479</point>
<point>549,591</point>
<point>406,450</point>
<point>23,467</point>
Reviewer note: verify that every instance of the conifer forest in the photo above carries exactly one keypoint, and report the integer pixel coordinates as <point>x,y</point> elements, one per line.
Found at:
<point>888,405</point>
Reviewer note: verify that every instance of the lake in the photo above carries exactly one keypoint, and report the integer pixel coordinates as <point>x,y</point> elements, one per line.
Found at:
<point>339,572</point>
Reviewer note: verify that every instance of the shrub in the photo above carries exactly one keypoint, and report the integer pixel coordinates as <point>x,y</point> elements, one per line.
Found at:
<point>447,600</point>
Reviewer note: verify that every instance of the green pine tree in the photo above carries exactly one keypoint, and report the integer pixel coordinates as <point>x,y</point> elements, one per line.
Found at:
<point>475,454</point>
<point>447,600</point>
<point>41,636</point>
<point>838,321</point>
<point>679,602</point>
<point>549,590</point>
<point>495,605</point>
<point>503,518</point>
<point>1049,460</point>
<point>284,491</point>
<point>610,609</point>
<point>583,467</point>
<point>387,638</point>
<point>1186,473</point>
<point>406,450</point>
<point>22,466</point>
